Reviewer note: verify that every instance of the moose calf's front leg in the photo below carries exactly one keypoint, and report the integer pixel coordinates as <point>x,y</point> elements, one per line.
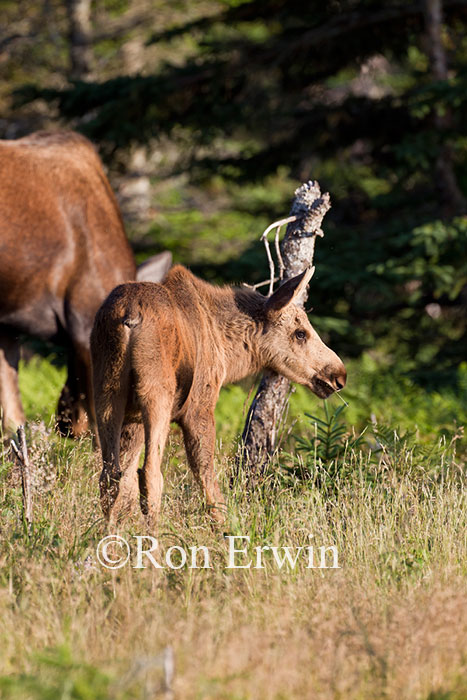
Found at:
<point>199,433</point>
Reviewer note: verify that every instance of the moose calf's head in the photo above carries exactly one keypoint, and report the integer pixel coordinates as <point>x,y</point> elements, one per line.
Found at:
<point>292,347</point>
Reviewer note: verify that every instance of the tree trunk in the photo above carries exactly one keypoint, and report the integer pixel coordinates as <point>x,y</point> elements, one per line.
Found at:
<point>134,189</point>
<point>452,198</point>
<point>79,18</point>
<point>260,435</point>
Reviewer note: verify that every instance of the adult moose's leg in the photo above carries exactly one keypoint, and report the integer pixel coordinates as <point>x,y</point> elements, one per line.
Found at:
<point>75,411</point>
<point>199,433</point>
<point>76,407</point>
<point>10,400</point>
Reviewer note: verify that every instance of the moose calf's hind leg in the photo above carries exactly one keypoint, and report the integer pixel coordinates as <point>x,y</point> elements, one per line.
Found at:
<point>131,444</point>
<point>109,482</point>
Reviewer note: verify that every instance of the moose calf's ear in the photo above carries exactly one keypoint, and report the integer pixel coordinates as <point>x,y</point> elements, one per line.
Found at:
<point>290,291</point>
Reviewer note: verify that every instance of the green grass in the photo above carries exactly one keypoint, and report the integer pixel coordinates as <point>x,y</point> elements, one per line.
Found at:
<point>40,383</point>
<point>390,623</point>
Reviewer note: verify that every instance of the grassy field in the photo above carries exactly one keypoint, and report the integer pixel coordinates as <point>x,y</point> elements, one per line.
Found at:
<point>391,622</point>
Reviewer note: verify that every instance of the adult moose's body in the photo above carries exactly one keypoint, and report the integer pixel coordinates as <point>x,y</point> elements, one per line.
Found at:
<point>161,353</point>
<point>62,249</point>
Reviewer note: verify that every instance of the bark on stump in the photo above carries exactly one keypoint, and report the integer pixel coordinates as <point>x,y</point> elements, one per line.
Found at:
<point>260,434</point>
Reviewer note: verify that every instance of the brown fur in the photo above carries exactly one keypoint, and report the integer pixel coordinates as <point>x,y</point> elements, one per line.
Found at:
<point>62,249</point>
<point>161,353</point>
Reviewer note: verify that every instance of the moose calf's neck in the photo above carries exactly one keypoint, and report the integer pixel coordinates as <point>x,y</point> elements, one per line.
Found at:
<point>240,318</point>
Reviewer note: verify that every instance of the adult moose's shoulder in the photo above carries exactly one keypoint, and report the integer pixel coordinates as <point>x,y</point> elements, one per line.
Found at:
<point>62,249</point>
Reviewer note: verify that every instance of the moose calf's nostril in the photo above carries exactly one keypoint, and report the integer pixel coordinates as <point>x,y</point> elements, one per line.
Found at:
<point>339,381</point>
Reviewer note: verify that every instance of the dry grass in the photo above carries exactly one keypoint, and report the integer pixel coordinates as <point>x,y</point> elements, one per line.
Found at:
<point>391,623</point>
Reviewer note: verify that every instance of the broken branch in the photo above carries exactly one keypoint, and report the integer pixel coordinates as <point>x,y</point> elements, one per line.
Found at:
<point>21,451</point>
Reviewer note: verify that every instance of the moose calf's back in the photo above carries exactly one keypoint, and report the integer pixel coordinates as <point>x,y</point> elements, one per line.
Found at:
<point>161,352</point>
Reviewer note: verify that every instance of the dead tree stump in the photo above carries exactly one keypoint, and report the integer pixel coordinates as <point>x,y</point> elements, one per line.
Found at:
<point>260,434</point>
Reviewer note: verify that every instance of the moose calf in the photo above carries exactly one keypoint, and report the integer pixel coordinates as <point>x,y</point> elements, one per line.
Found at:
<point>161,352</point>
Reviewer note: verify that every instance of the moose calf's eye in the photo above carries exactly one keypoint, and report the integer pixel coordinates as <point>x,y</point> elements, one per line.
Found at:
<point>300,335</point>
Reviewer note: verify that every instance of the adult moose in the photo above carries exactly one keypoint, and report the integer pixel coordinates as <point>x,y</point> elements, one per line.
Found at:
<point>62,249</point>
<point>161,353</point>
